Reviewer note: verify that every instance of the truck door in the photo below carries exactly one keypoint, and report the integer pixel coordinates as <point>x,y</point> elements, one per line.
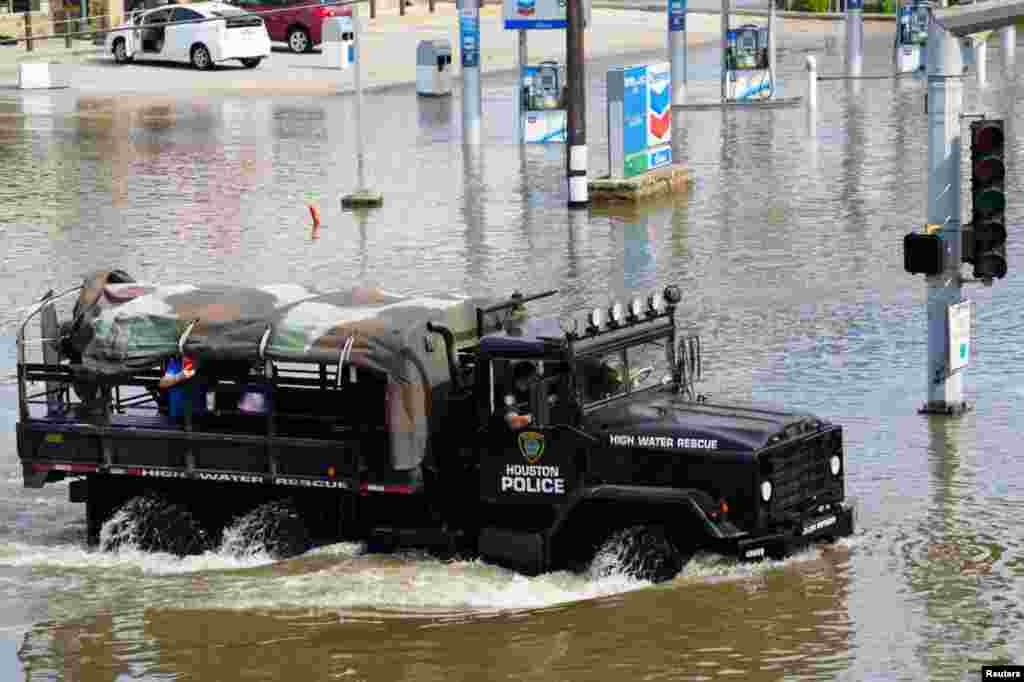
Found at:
<point>539,464</point>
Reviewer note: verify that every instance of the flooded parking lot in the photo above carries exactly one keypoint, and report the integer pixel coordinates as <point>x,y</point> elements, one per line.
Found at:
<point>787,248</point>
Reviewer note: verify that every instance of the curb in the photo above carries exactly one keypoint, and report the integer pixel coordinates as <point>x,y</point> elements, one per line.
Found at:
<point>782,14</point>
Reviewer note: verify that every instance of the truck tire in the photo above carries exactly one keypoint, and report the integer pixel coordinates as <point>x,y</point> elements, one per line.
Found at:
<point>641,552</point>
<point>151,523</point>
<point>274,527</point>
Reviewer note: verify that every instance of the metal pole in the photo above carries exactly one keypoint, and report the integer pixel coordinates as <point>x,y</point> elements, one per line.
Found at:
<point>522,61</point>
<point>1008,44</point>
<point>812,83</point>
<point>577,105</point>
<point>725,42</point>
<point>854,37</point>
<point>677,49</point>
<point>469,37</point>
<point>771,44</point>
<point>363,196</point>
<point>357,43</point>
<point>28,32</point>
<point>945,103</point>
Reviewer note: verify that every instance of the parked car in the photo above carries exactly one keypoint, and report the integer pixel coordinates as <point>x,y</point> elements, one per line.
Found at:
<point>218,33</point>
<point>295,22</point>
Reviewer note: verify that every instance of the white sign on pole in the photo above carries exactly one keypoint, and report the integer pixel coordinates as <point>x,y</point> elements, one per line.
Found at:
<point>958,322</point>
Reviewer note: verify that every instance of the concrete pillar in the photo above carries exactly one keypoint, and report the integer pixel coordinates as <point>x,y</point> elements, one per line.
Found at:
<point>1008,45</point>
<point>677,49</point>
<point>854,37</point>
<point>812,83</point>
<point>980,56</point>
<point>469,41</point>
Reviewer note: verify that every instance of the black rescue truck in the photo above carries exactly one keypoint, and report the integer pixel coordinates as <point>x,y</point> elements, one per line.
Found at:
<point>386,419</point>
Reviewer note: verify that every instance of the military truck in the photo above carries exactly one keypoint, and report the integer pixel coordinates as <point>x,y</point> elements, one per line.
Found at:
<point>382,418</point>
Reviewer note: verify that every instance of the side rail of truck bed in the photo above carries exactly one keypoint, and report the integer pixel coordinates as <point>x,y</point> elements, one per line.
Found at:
<point>315,431</point>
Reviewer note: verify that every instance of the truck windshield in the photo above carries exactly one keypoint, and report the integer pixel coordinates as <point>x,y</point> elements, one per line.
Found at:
<point>623,371</point>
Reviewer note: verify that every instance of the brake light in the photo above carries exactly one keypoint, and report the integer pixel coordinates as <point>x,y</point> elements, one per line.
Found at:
<point>325,12</point>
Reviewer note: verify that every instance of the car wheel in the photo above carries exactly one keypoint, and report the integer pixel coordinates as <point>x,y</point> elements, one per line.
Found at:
<point>121,51</point>
<point>298,40</point>
<point>201,57</point>
<point>641,552</point>
<point>251,62</point>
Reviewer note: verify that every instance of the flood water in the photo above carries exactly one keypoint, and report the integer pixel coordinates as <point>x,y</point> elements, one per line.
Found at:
<point>787,246</point>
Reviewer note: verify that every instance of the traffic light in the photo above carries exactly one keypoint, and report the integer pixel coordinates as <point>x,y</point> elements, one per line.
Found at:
<point>923,253</point>
<point>987,250</point>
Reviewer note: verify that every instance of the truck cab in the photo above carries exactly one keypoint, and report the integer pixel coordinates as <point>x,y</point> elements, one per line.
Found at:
<point>386,419</point>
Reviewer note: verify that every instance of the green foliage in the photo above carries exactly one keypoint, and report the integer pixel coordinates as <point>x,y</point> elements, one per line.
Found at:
<point>810,5</point>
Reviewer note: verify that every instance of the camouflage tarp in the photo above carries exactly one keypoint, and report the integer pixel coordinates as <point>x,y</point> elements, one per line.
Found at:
<point>136,326</point>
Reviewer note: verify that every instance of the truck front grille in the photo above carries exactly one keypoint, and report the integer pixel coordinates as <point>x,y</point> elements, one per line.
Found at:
<point>799,472</point>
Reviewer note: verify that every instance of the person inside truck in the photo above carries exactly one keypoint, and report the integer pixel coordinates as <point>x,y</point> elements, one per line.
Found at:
<point>516,398</point>
<point>185,391</point>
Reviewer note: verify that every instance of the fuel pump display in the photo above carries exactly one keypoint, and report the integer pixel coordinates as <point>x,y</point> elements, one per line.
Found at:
<point>748,71</point>
<point>542,99</point>
<point>912,36</point>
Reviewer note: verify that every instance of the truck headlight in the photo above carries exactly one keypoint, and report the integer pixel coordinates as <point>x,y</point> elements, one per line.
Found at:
<point>766,491</point>
<point>835,465</point>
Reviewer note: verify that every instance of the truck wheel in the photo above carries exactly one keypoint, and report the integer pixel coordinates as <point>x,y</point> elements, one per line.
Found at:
<point>153,524</point>
<point>641,552</point>
<point>275,528</point>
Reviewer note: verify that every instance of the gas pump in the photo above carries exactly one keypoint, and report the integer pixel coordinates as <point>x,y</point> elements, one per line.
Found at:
<point>749,75</point>
<point>912,36</point>
<point>542,103</point>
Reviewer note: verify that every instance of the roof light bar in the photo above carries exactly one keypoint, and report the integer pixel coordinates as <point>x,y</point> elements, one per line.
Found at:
<point>616,314</point>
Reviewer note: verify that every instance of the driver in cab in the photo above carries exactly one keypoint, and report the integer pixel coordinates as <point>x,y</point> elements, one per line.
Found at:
<point>516,400</point>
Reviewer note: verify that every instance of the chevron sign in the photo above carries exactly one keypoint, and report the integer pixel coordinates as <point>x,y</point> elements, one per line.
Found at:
<point>639,119</point>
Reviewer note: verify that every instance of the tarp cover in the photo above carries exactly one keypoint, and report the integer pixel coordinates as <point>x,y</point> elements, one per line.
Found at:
<point>124,327</point>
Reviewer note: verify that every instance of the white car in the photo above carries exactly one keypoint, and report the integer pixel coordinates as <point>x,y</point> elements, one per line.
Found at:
<point>216,33</point>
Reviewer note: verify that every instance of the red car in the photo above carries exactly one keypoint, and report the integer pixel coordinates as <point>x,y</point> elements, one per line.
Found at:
<point>296,22</point>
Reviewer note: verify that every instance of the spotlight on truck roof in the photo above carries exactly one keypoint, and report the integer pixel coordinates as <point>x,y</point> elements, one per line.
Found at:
<point>595,320</point>
<point>636,309</point>
<point>617,314</point>
<point>655,304</point>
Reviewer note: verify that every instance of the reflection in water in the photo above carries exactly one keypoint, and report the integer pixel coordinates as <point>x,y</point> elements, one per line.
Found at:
<point>474,216</point>
<point>435,119</point>
<point>949,568</point>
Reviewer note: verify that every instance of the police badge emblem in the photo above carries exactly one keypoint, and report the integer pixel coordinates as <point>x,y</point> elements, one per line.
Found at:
<point>531,444</point>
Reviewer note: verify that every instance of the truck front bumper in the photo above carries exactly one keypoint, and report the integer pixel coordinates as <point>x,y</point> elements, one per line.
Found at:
<point>836,523</point>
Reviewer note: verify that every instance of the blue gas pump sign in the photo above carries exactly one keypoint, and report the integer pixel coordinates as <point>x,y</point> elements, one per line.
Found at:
<point>639,119</point>
<point>677,15</point>
<point>854,4</point>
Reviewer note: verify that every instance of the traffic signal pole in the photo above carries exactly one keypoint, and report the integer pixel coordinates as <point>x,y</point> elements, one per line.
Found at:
<point>944,104</point>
